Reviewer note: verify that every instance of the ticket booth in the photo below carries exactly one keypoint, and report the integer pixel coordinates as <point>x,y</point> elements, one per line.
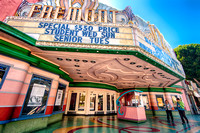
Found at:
<point>130,106</point>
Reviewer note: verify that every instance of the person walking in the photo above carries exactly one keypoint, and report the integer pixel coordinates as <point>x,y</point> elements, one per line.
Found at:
<point>168,109</point>
<point>181,110</point>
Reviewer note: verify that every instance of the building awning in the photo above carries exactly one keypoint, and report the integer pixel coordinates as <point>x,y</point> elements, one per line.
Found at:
<point>177,86</point>
<point>196,94</point>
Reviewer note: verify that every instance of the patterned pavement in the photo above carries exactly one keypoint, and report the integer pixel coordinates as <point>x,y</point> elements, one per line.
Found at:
<point>110,124</point>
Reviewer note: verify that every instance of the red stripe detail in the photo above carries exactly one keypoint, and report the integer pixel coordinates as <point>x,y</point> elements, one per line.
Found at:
<point>64,107</point>
<point>16,112</point>
<point>49,110</point>
<point>6,113</point>
<point>155,107</point>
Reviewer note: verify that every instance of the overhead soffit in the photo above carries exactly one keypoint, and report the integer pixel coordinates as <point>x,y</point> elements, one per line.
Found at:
<point>122,71</point>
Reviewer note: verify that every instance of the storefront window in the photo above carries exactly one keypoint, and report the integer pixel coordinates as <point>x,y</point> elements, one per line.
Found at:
<point>145,101</point>
<point>108,102</point>
<point>3,72</point>
<point>81,104</point>
<point>100,102</point>
<point>92,102</point>
<point>37,95</point>
<point>160,101</point>
<point>113,102</point>
<point>73,101</point>
<point>59,97</point>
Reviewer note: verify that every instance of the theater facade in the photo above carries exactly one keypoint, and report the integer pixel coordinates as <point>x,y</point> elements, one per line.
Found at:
<point>75,58</point>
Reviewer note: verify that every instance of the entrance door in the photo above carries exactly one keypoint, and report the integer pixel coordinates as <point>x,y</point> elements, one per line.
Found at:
<point>73,101</point>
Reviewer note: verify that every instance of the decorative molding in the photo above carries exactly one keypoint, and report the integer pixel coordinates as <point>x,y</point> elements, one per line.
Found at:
<point>92,84</point>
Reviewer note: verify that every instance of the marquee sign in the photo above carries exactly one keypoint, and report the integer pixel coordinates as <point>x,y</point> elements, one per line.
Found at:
<point>75,33</point>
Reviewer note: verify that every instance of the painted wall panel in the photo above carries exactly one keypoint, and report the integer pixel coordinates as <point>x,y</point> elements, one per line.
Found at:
<point>51,101</point>
<point>20,100</point>
<point>16,74</point>
<point>12,86</point>
<point>8,99</point>
<point>8,8</point>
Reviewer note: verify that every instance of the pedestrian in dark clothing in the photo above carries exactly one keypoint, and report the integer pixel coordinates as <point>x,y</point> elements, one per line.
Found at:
<point>168,109</point>
<point>181,110</point>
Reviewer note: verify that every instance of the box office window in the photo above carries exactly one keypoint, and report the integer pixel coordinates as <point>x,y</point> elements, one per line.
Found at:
<point>60,96</point>
<point>3,72</point>
<point>37,95</point>
<point>160,101</point>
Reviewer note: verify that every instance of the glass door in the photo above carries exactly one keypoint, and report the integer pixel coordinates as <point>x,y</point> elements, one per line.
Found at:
<point>81,104</point>
<point>100,102</point>
<point>73,101</point>
<point>92,102</point>
<point>108,102</point>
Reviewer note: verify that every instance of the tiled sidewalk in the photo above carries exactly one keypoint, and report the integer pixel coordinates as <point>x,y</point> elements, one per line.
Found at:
<point>110,124</point>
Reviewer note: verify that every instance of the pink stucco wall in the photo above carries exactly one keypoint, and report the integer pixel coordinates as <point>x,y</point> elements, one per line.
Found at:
<point>14,89</point>
<point>9,7</point>
<point>11,89</point>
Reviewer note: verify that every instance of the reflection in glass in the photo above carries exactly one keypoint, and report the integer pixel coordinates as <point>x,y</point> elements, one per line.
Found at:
<point>36,99</point>
<point>113,102</point>
<point>92,102</point>
<point>135,99</point>
<point>108,102</point>
<point>123,101</point>
<point>100,102</point>
<point>160,101</point>
<point>174,101</point>
<point>73,101</point>
<point>140,101</point>
<point>145,101</point>
<point>3,70</point>
<point>81,104</point>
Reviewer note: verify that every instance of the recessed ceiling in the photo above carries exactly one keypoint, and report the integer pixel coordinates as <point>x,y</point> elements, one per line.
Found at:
<point>122,71</point>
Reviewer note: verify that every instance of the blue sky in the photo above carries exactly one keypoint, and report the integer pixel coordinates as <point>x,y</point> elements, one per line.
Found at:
<point>177,20</point>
